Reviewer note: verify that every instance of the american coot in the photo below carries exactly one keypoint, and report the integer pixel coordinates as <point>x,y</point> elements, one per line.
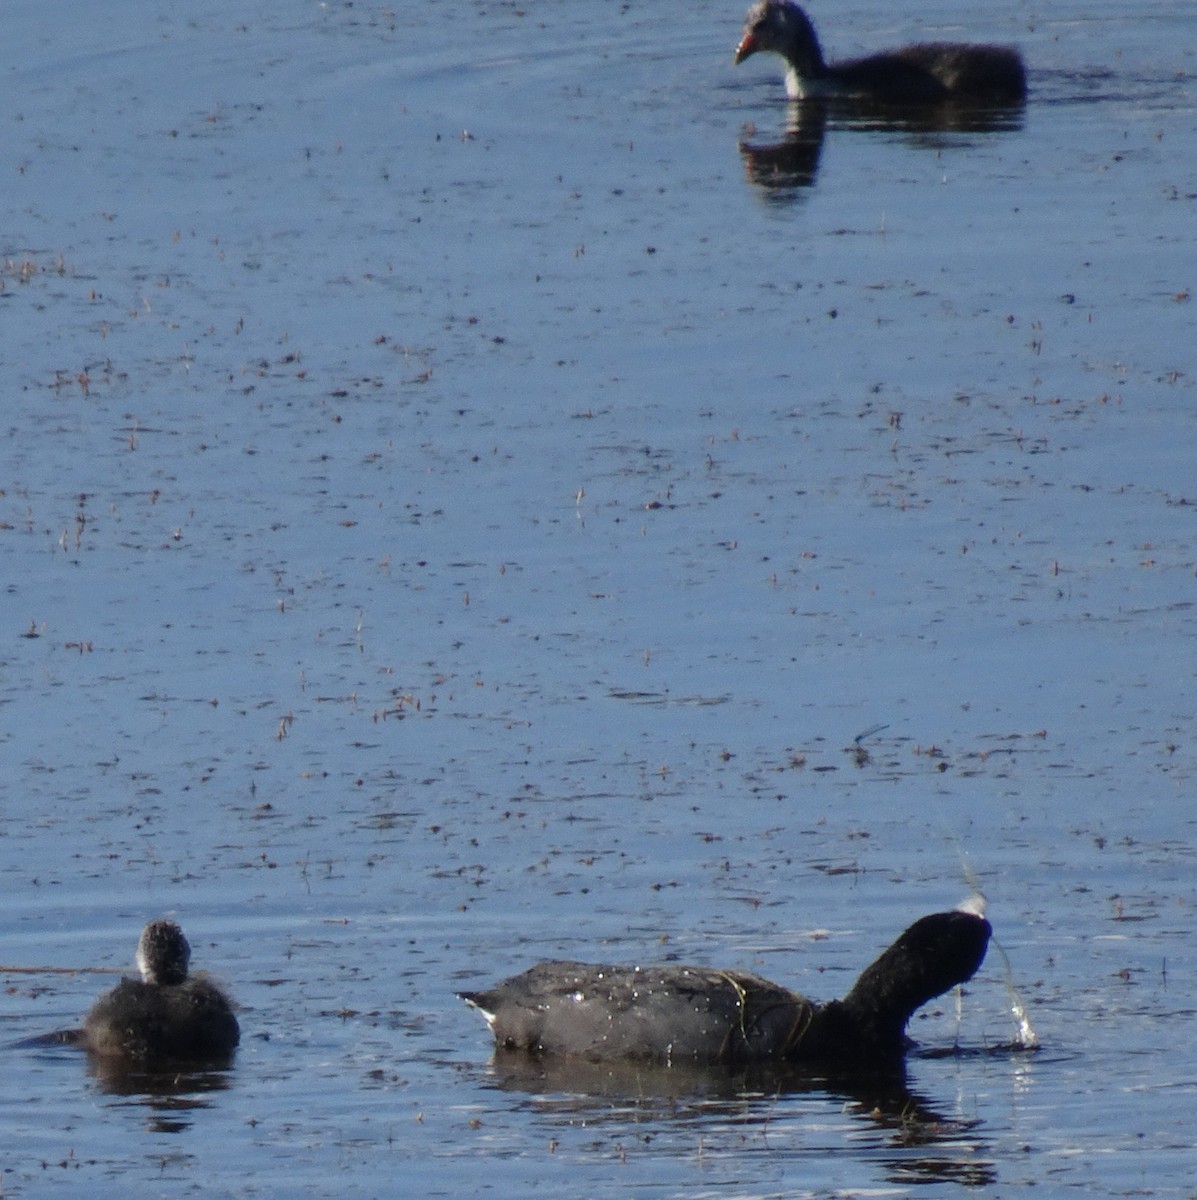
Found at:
<point>928,72</point>
<point>675,1013</point>
<point>167,1015</point>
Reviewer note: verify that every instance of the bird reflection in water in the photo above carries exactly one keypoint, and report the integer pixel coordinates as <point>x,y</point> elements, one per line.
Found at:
<point>169,1097</point>
<point>918,1141</point>
<point>785,167</point>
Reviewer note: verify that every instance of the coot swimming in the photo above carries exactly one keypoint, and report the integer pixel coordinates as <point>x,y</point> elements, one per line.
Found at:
<point>918,74</point>
<point>673,1013</point>
<point>167,1015</point>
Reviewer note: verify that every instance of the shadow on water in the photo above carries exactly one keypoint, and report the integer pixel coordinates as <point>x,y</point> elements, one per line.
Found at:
<point>903,1131</point>
<point>782,168</point>
<point>170,1096</point>
<point>170,1092</point>
<point>780,1110</point>
<point>917,1140</point>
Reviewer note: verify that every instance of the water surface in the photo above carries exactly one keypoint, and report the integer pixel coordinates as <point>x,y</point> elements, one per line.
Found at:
<point>455,512</point>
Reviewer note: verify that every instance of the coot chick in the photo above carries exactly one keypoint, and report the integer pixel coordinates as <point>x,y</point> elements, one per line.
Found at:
<point>674,1013</point>
<point>167,1015</point>
<point>919,74</point>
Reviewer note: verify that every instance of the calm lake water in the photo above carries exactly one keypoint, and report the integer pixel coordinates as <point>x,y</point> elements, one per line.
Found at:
<point>479,483</point>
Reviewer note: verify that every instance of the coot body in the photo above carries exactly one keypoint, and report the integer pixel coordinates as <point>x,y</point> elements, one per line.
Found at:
<point>673,1012</point>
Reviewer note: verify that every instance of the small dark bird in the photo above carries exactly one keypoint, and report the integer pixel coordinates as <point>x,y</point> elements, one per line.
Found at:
<point>700,1015</point>
<point>167,1016</point>
<point>920,74</point>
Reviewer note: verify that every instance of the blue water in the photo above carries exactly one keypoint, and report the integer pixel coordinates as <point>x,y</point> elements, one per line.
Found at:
<point>452,515</point>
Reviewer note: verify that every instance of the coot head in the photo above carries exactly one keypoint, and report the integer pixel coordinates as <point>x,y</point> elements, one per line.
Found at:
<point>163,953</point>
<point>783,28</point>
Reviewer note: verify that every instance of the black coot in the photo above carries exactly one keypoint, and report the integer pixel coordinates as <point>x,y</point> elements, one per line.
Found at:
<point>673,1013</point>
<point>167,1015</point>
<point>919,74</point>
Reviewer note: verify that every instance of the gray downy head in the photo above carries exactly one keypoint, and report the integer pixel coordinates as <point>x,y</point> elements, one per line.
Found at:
<point>783,28</point>
<point>163,953</point>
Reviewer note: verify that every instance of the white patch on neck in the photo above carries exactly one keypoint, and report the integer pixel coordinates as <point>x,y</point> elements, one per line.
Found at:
<point>796,87</point>
<point>802,87</point>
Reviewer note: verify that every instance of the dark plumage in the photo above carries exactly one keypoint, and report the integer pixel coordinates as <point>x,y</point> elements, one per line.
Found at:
<point>167,1015</point>
<point>919,74</point>
<point>672,1013</point>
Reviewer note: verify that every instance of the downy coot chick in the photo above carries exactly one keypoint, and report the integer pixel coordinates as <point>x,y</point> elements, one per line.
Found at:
<point>167,1015</point>
<point>674,1013</point>
<point>924,73</point>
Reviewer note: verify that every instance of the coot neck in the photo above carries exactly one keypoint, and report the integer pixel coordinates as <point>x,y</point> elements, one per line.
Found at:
<point>805,67</point>
<point>933,955</point>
